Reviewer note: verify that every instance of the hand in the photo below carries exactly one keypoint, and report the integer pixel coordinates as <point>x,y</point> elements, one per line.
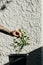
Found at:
<point>16,33</point>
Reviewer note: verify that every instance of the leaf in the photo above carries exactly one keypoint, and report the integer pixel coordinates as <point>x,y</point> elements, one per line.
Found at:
<point>22,46</point>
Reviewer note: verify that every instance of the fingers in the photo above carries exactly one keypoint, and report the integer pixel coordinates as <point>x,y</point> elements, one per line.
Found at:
<point>16,33</point>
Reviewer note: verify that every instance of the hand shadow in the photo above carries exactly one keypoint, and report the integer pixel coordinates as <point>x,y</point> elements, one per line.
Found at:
<point>6,33</point>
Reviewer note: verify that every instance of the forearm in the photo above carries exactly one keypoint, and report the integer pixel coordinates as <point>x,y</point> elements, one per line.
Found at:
<point>4,29</point>
<point>12,33</point>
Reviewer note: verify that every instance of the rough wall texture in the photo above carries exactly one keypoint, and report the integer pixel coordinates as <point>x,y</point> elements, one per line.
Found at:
<point>20,14</point>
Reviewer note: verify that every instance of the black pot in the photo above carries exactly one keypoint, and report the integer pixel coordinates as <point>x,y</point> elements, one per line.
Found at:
<point>33,58</point>
<point>18,59</point>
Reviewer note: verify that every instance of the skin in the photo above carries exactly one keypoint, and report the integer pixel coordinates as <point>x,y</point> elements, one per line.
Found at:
<point>15,33</point>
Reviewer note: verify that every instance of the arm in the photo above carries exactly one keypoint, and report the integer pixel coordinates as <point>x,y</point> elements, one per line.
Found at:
<point>12,33</point>
<point>4,29</point>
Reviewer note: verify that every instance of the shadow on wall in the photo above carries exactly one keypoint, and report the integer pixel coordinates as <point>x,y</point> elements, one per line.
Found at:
<point>5,32</point>
<point>32,58</point>
<point>3,7</point>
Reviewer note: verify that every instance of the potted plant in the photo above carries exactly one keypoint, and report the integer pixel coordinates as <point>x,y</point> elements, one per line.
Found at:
<point>18,44</point>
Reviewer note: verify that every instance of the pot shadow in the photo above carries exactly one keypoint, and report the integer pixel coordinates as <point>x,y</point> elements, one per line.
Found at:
<point>32,58</point>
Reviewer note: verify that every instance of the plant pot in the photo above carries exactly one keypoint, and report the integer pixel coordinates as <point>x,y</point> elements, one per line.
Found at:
<point>18,59</point>
<point>32,58</point>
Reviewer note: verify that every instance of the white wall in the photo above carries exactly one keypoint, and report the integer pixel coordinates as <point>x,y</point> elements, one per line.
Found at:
<point>18,14</point>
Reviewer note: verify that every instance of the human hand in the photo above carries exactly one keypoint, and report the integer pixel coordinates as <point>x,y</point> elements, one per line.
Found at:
<point>16,33</point>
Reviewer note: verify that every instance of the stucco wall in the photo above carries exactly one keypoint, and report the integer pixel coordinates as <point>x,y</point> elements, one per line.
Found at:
<point>20,14</point>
